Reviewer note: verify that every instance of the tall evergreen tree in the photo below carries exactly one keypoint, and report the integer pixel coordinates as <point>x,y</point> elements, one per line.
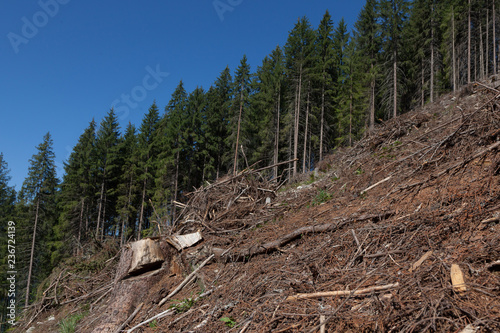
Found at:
<point>77,194</point>
<point>241,94</point>
<point>128,186</point>
<point>39,195</point>
<point>394,15</point>
<point>149,141</point>
<point>108,171</point>
<point>367,39</point>
<point>299,51</point>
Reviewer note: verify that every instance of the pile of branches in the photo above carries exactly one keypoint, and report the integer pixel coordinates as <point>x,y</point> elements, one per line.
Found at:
<point>232,203</point>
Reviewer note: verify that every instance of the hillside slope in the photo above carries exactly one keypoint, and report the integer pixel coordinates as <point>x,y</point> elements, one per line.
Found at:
<point>382,224</point>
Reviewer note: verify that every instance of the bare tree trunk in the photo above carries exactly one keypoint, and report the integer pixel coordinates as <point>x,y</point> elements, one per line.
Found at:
<point>468,47</point>
<point>175,185</point>
<point>372,101</point>
<point>296,125</point>
<point>422,93</point>
<point>395,97</point>
<point>432,58</point>
<point>487,42</point>
<point>101,198</point>
<point>30,270</point>
<point>306,129</point>
<point>80,224</point>
<point>494,40</point>
<point>235,167</point>
<point>277,136</point>
<point>103,218</point>
<point>481,52</point>
<point>453,49</point>
<point>141,215</point>
<point>322,117</point>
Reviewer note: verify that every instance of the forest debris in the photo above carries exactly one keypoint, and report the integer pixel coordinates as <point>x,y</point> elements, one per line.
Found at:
<point>470,329</point>
<point>181,242</point>
<point>457,279</point>
<point>494,266</point>
<point>186,281</point>
<point>146,254</point>
<point>342,292</point>
<point>420,261</point>
<point>375,185</point>
<point>158,316</point>
<point>322,323</point>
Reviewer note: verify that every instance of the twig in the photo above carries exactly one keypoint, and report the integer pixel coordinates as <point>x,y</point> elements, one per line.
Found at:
<point>375,185</point>
<point>186,281</point>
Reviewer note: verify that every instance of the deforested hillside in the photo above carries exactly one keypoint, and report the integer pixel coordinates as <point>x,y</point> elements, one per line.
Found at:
<point>399,233</point>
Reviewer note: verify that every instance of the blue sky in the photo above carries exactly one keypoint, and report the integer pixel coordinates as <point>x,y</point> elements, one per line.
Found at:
<point>65,62</point>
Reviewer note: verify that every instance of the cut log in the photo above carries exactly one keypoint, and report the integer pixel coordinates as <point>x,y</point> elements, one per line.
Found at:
<point>457,279</point>
<point>146,256</point>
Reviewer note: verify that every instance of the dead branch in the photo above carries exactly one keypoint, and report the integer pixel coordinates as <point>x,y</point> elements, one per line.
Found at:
<point>130,318</point>
<point>186,281</point>
<point>342,292</point>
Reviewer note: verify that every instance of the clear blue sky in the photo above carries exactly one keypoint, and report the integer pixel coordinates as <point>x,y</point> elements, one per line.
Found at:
<point>65,62</point>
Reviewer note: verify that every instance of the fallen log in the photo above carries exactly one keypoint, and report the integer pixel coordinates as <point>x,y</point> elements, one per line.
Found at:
<point>245,255</point>
<point>342,292</point>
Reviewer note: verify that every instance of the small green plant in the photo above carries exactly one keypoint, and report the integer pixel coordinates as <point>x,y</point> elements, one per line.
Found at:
<point>184,305</point>
<point>358,171</point>
<point>321,197</point>
<point>68,325</point>
<point>229,321</point>
<point>153,324</point>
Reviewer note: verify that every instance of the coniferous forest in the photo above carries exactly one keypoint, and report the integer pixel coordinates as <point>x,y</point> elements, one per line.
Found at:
<point>323,89</point>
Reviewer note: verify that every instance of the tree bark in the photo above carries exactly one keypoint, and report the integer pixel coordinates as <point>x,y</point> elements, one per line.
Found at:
<point>30,270</point>
<point>395,78</point>
<point>306,129</point>
<point>453,49</point>
<point>494,40</point>
<point>432,58</point>
<point>322,117</point>
<point>468,47</point>
<point>277,136</point>
<point>296,124</point>
<point>481,53</point>
<point>101,198</point>
<point>235,167</point>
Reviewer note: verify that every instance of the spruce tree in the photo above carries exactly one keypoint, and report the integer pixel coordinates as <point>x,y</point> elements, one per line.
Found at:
<point>108,172</point>
<point>299,51</point>
<point>367,39</point>
<point>38,193</point>
<point>241,92</point>
<point>149,142</point>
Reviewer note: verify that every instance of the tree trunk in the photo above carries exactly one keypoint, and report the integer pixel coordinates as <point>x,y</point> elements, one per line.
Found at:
<point>322,117</point>
<point>101,198</point>
<point>103,218</point>
<point>277,137</point>
<point>372,101</point>
<point>468,48</point>
<point>235,168</point>
<point>432,58</point>
<point>422,92</point>
<point>306,129</point>
<point>481,52</point>
<point>395,97</point>
<point>494,40</point>
<point>175,185</point>
<point>453,49</point>
<point>296,124</point>
<point>30,270</point>
<point>487,42</point>
<point>80,224</point>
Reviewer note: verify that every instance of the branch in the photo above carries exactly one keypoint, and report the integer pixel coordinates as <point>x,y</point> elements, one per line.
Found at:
<point>342,292</point>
